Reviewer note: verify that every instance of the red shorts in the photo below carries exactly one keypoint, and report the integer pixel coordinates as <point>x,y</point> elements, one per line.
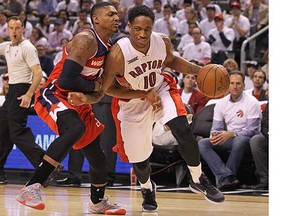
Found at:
<point>49,101</point>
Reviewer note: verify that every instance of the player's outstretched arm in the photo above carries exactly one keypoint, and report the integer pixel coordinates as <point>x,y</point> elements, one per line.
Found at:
<point>176,62</point>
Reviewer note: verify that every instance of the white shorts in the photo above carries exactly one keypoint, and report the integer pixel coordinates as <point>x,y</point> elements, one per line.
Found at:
<point>135,121</point>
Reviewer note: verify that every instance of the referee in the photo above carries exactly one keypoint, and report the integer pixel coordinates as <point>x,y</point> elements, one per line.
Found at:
<point>25,74</point>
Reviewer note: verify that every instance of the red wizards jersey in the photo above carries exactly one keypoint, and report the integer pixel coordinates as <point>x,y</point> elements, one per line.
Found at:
<point>93,67</point>
<point>51,99</point>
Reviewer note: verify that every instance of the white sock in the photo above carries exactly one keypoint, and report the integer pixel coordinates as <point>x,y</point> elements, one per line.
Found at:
<point>195,172</point>
<point>147,185</point>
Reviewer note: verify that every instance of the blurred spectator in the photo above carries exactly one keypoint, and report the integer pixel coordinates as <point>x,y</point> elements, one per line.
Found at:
<point>202,8</point>
<point>64,15</point>
<point>56,36</point>
<point>46,61</point>
<point>130,4</point>
<point>2,6</point>
<point>158,9</point>
<point>258,15</point>
<point>208,23</point>
<point>258,91</point>
<point>181,12</point>
<point>199,50</point>
<point>244,3</point>
<point>190,17</point>
<point>58,56</point>
<point>230,65</point>
<point>241,27</point>
<point>27,25</point>
<point>241,114</point>
<point>187,38</point>
<point>79,23</point>
<point>221,40</point>
<point>45,25</point>
<point>252,66</point>
<point>37,37</point>
<point>5,86</point>
<point>259,145</point>
<point>123,28</point>
<point>191,95</point>
<point>86,5</point>
<point>175,4</point>
<point>47,7</point>
<point>115,3</point>
<point>4,36</point>
<point>265,67</point>
<point>14,7</point>
<point>126,4</point>
<point>32,7</point>
<point>168,24</point>
<point>71,6</point>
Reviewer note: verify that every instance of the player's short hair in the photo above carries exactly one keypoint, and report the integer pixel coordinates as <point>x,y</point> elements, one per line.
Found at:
<point>98,6</point>
<point>140,10</point>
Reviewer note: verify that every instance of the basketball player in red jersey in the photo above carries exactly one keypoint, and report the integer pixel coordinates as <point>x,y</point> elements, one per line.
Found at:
<point>136,79</point>
<point>79,69</point>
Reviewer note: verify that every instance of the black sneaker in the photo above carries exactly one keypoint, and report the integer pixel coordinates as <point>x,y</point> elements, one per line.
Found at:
<point>229,183</point>
<point>149,203</point>
<point>52,177</point>
<point>210,192</point>
<point>3,180</point>
<point>68,182</point>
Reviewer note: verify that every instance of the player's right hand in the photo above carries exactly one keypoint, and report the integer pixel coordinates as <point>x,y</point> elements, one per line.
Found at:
<point>77,98</point>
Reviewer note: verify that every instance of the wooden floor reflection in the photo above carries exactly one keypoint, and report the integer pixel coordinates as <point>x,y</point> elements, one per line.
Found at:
<point>62,201</point>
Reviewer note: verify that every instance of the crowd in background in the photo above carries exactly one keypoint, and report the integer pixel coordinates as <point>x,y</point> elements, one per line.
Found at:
<point>202,31</point>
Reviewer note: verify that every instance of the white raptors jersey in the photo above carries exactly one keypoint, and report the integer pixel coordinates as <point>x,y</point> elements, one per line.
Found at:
<point>142,72</point>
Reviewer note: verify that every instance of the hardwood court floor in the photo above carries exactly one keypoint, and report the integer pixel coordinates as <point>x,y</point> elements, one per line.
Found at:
<point>67,201</point>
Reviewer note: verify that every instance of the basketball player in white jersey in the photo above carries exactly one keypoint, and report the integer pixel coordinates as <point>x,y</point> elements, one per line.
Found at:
<point>145,95</point>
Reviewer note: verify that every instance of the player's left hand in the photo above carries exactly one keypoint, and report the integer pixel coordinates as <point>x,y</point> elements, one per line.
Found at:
<point>76,98</point>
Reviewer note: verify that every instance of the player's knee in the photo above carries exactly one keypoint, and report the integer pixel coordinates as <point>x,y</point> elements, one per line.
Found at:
<point>70,123</point>
<point>180,128</point>
<point>182,134</point>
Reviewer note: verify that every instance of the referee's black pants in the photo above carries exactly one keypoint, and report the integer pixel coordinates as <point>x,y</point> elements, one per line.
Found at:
<point>13,130</point>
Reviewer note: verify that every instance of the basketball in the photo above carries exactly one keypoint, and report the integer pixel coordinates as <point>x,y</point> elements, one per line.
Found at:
<point>213,80</point>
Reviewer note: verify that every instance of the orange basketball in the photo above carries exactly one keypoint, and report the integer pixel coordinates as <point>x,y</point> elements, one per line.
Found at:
<point>213,80</point>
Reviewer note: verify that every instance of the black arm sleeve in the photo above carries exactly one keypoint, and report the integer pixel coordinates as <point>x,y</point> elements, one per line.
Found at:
<point>225,41</point>
<point>211,39</point>
<point>70,78</point>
